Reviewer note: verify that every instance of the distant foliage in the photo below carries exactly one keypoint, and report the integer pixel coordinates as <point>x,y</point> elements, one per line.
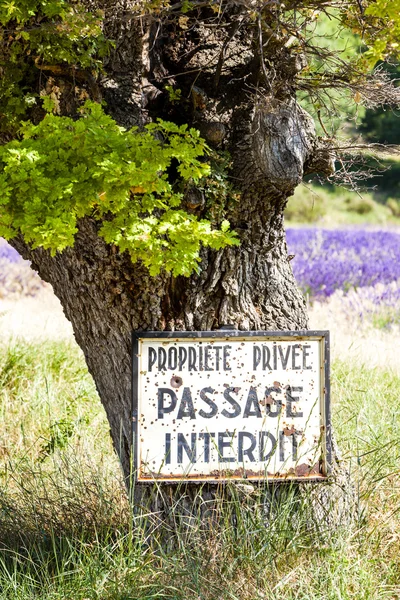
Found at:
<point>65,169</point>
<point>394,206</point>
<point>381,126</point>
<point>336,108</point>
<point>331,205</point>
<point>329,260</point>
<point>359,205</point>
<point>306,207</point>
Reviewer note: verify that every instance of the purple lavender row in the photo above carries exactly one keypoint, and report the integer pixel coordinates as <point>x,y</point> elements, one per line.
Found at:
<point>8,253</point>
<point>379,304</point>
<point>325,261</point>
<point>17,279</point>
<point>328,260</point>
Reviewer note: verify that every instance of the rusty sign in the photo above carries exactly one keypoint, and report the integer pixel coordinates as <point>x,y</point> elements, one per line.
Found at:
<point>231,405</point>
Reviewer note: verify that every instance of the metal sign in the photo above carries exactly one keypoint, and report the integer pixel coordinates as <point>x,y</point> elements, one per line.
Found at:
<point>226,405</point>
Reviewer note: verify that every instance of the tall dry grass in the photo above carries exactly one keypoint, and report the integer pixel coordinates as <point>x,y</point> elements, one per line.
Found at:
<point>67,530</point>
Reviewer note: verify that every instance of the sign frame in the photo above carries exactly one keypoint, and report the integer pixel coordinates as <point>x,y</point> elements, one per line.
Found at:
<point>227,333</point>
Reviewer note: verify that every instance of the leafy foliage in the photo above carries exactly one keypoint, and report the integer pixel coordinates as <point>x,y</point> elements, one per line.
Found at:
<point>65,169</point>
<point>386,42</point>
<point>38,33</point>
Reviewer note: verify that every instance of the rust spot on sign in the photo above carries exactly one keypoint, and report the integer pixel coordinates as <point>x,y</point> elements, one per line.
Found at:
<point>267,400</point>
<point>289,431</point>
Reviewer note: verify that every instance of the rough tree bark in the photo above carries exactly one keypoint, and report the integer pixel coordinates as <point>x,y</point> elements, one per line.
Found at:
<point>242,101</point>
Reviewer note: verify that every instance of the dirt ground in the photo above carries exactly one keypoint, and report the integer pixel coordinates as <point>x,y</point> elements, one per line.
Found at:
<point>351,339</point>
<point>34,318</point>
<point>42,317</point>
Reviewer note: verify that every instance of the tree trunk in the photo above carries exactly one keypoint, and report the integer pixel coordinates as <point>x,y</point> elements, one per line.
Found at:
<point>106,297</point>
<point>272,142</point>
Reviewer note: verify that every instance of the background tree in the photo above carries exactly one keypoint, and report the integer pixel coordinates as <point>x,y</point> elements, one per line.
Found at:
<point>138,223</point>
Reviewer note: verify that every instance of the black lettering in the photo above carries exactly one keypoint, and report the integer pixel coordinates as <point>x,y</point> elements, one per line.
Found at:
<point>266,358</point>
<point>192,359</point>
<point>306,349</point>
<point>252,408</point>
<point>162,409</point>
<point>256,357</point>
<point>162,359</point>
<point>217,356</point>
<point>233,402</point>
<point>152,358</point>
<point>275,358</point>
<point>278,403</point>
<point>182,356</point>
<point>172,358</point>
<point>227,349</point>
<point>186,408</point>
<point>235,405</point>
<point>263,443</point>
<point>207,357</point>
<point>167,448</point>
<point>289,402</point>
<point>207,438</point>
<point>246,451</point>
<point>184,446</point>
<point>295,354</point>
<point>222,444</point>
<point>209,402</point>
<point>201,365</point>
<point>284,359</point>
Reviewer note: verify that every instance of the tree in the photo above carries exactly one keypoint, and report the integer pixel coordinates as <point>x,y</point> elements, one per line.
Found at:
<point>107,187</point>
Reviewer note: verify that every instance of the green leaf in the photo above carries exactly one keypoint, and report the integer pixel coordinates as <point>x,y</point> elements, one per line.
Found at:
<point>62,170</point>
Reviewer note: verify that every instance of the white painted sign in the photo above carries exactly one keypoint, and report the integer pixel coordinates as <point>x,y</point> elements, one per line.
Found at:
<point>223,405</point>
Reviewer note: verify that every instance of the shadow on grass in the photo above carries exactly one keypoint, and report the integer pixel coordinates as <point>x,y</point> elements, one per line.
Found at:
<point>68,531</point>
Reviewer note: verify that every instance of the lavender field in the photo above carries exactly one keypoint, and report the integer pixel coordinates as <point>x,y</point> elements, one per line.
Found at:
<point>361,266</point>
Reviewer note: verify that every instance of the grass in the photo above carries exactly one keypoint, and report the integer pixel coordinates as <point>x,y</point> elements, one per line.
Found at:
<point>312,204</point>
<point>67,531</point>
<point>386,318</point>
